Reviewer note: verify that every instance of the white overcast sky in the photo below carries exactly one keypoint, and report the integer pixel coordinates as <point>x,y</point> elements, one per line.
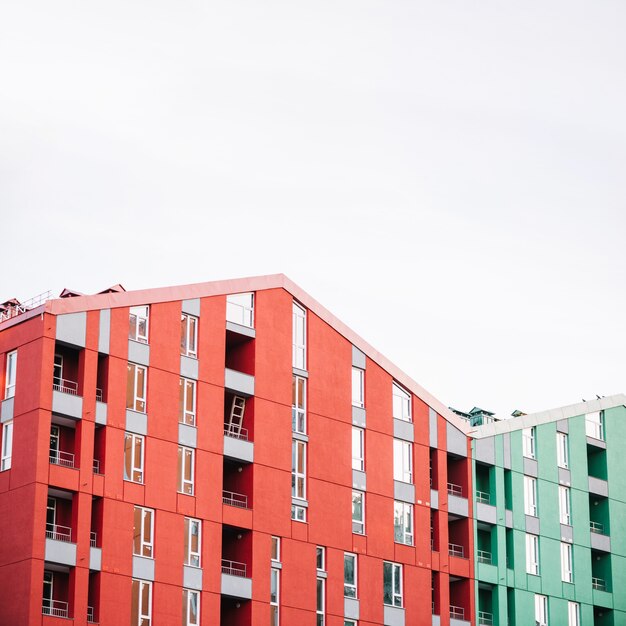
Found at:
<point>449,178</point>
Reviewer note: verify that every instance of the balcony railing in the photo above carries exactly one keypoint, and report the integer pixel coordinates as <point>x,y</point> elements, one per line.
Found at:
<point>457,612</point>
<point>483,497</point>
<point>238,433</point>
<point>99,395</point>
<point>57,608</point>
<point>60,457</point>
<point>93,539</point>
<point>233,568</point>
<point>90,615</point>
<point>455,490</point>
<point>65,386</point>
<point>484,556</point>
<point>485,619</point>
<point>596,527</point>
<point>58,533</point>
<point>455,549</point>
<point>599,584</point>
<point>96,466</point>
<point>235,499</point>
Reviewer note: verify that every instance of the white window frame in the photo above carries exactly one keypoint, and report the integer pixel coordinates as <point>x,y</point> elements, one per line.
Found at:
<point>358,524</point>
<point>143,619</point>
<point>185,416</point>
<point>139,401</point>
<point>541,610</point>
<point>562,450</point>
<point>298,405</point>
<point>403,531</point>
<point>320,602</point>
<point>530,496</point>
<point>193,558</point>
<point>275,601</point>
<point>403,461</point>
<point>188,595</point>
<point>275,549</point>
<point>350,589</point>
<point>565,504</point>
<point>189,333</point>
<point>135,470</point>
<point>140,313</point>
<point>320,558</point>
<point>299,336</point>
<point>10,375</point>
<point>358,387</point>
<point>396,593</point>
<point>532,554</point>
<point>528,442</point>
<point>401,403</point>
<point>358,449</point>
<point>298,513</point>
<point>182,481</point>
<point>7,446</point>
<point>594,425</point>
<point>567,563</point>
<point>573,614</point>
<point>146,547</point>
<point>298,474</point>
<point>238,310</point>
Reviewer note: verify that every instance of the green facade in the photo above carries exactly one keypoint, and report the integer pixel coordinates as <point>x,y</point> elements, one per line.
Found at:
<point>505,591</point>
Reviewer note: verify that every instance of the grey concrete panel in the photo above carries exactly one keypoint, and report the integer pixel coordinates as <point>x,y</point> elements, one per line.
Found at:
<point>187,435</point>
<point>6,412</point>
<point>60,552</point>
<point>404,491</point>
<point>241,330</point>
<point>432,427</point>
<point>298,372</point>
<point>434,499</point>
<point>456,440</point>
<point>192,577</point>
<point>67,404</point>
<point>191,307</point>
<point>598,443</point>
<point>143,568</point>
<point>403,430</point>
<point>359,416</point>
<point>101,413</point>
<point>238,382</point>
<point>72,328</point>
<point>459,622</point>
<point>567,533</point>
<point>188,367</point>
<point>104,334</point>
<point>95,559</point>
<point>458,506</point>
<point>237,586</point>
<point>485,450</point>
<point>530,467</point>
<point>351,608</point>
<point>598,486</point>
<point>486,513</point>
<point>136,422</point>
<point>238,449</point>
<point>298,502</point>
<point>506,444</point>
<point>138,352</point>
<point>562,426</point>
<point>436,620</point>
<point>359,480</point>
<point>565,477</point>
<point>358,358</point>
<point>508,518</point>
<point>393,616</point>
<point>300,437</point>
<point>600,542</point>
<point>532,524</point>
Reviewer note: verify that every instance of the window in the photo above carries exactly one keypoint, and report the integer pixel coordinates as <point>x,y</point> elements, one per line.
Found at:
<point>403,522</point>
<point>564,505</point>
<point>274,597</point>
<point>185,469</point>
<point>189,335</point>
<point>240,309</point>
<point>141,607</point>
<point>358,387</point>
<point>299,337</point>
<point>320,558</point>
<point>10,375</point>
<point>298,469</point>
<point>133,457</point>
<point>191,607</point>
<point>143,531</point>
<point>320,607</point>
<point>401,403</point>
<point>275,549</point>
<point>567,571</point>
<point>349,622</point>
<point>57,372</point>
<point>358,449</point>
<point>298,513</point>
<point>193,541</point>
<point>136,387</point>
<point>530,496</point>
<point>594,425</point>
<point>573,614</point>
<point>298,405</point>
<point>541,610</point>
<point>7,446</point>
<point>358,512</point>
<point>528,442</point>
<point>562,450</point>
<point>392,584</point>
<point>532,554</point>
<point>138,330</point>
<point>402,461</point>
<point>187,402</point>
<point>349,575</point>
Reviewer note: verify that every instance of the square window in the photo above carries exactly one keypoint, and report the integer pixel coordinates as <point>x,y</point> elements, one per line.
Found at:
<point>138,329</point>
<point>189,335</point>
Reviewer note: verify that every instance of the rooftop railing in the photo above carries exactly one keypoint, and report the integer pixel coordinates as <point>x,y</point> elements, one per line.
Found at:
<point>60,457</point>
<point>233,568</point>
<point>15,308</point>
<point>56,608</point>
<point>235,499</point>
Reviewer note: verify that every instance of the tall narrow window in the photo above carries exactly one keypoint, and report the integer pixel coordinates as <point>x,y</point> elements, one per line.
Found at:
<point>541,610</point>
<point>573,614</point>
<point>358,387</point>
<point>299,337</point>
<point>138,330</point>
<point>530,496</point>
<point>240,309</point>
<point>298,404</point>
<point>320,558</point>
<point>567,570</point>
<point>187,402</point>
<point>188,335</point>
<point>274,597</point>
<point>10,375</point>
<point>532,554</point>
<point>349,575</point>
<point>528,441</point>
<point>320,606</point>
<point>143,531</point>
<point>193,541</point>
<point>133,457</point>
<point>298,472</point>
<point>185,469</point>
<point>48,583</point>
<point>403,461</point>
<point>358,512</point>
<point>562,450</point>
<point>141,603</point>
<point>191,607</point>
<point>392,584</point>
<point>401,403</point>
<point>275,549</point>
<point>57,372</point>
<point>7,445</point>
<point>358,449</point>
<point>403,522</point>
<point>594,425</point>
<point>564,505</point>
<point>136,387</point>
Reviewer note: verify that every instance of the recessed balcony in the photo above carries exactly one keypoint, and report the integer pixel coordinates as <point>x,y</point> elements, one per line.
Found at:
<point>235,580</point>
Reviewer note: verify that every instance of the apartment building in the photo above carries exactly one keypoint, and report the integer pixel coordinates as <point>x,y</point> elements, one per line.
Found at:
<point>228,453</point>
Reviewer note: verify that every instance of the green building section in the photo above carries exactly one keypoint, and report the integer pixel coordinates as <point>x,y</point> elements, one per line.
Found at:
<point>596,478</point>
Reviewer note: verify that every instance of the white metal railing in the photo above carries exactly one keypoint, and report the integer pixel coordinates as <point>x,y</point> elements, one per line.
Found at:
<point>57,608</point>
<point>93,539</point>
<point>13,310</point>
<point>483,556</point>
<point>96,466</point>
<point>60,457</point>
<point>598,583</point>
<point>483,497</point>
<point>596,527</point>
<point>233,568</point>
<point>454,549</point>
<point>59,533</point>
<point>455,490</point>
<point>90,615</point>
<point>99,395</point>
<point>457,612</point>
<point>236,433</point>
<point>235,499</point>
<point>485,619</point>
<point>65,386</point>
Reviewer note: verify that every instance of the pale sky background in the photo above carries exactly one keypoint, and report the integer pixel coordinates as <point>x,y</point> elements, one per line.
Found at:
<point>448,178</point>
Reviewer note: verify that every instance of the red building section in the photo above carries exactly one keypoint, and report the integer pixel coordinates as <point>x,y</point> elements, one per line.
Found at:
<point>223,453</point>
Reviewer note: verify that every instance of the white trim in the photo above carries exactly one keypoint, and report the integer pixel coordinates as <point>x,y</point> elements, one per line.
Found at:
<point>7,446</point>
<point>183,482</point>
<point>10,374</point>
<point>193,558</point>
<point>185,320</point>
<point>134,470</point>
<point>146,547</point>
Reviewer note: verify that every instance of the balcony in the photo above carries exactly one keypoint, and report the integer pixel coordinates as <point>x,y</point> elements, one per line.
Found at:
<point>454,549</point>
<point>235,581</point>
<point>55,608</point>
<point>237,445</point>
<point>65,398</point>
<point>485,619</point>
<point>484,557</point>
<point>457,612</point>
<point>457,503</point>
<point>60,457</point>
<point>599,584</point>
<point>235,499</point>
<point>238,382</point>
<point>58,533</point>
<point>59,545</point>
<point>90,615</point>
<point>482,497</point>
